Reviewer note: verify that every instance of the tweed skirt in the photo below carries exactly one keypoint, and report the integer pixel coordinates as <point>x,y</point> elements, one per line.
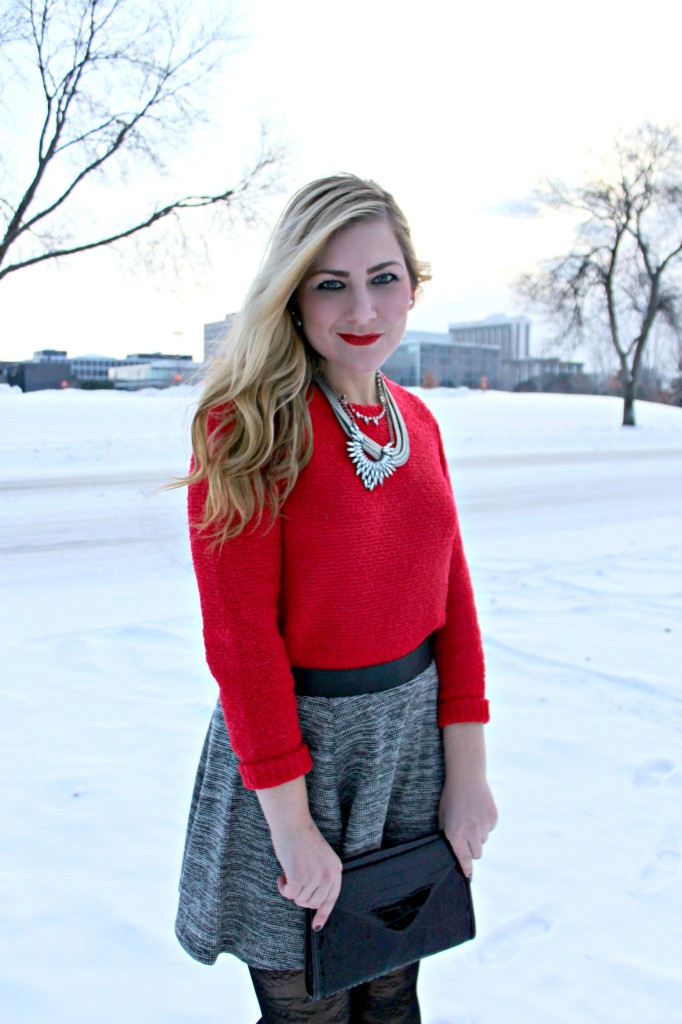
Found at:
<point>376,781</point>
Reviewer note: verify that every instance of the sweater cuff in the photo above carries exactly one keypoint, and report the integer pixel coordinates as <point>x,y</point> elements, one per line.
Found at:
<point>265,774</point>
<point>473,709</point>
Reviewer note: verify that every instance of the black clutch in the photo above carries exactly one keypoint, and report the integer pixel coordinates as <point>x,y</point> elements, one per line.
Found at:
<point>396,906</point>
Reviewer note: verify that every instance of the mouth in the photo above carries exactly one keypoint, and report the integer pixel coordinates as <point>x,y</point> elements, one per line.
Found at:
<point>360,339</point>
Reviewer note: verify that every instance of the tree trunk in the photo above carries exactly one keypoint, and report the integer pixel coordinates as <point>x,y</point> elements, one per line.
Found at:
<point>629,401</point>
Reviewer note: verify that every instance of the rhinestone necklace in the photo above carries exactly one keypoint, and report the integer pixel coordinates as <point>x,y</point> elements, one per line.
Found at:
<point>349,407</point>
<point>373,462</point>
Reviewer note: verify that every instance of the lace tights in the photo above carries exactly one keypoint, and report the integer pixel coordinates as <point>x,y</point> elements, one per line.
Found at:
<point>391,999</point>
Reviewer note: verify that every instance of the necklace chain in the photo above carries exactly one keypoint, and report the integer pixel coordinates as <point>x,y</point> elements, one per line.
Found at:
<point>349,407</point>
<point>373,462</point>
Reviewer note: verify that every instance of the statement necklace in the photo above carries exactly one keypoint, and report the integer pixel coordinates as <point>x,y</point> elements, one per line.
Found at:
<point>373,462</point>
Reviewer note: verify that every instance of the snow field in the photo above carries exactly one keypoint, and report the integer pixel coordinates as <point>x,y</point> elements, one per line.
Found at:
<point>572,526</point>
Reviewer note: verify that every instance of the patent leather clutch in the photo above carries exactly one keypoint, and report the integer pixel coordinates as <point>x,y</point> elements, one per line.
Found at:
<point>396,906</point>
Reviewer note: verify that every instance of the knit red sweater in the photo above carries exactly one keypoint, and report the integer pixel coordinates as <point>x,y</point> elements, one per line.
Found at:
<point>345,578</point>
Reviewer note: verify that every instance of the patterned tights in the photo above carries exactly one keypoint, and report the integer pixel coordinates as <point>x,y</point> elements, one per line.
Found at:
<point>391,999</point>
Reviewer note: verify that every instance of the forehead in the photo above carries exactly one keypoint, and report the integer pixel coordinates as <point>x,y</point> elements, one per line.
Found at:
<point>361,246</point>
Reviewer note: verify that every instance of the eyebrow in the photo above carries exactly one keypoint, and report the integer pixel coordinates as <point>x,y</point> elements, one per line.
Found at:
<point>346,273</point>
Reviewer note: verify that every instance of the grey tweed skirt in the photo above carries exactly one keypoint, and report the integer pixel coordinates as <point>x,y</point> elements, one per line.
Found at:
<point>376,781</point>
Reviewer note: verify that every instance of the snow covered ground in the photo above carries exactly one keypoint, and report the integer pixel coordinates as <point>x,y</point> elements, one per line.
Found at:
<point>572,526</point>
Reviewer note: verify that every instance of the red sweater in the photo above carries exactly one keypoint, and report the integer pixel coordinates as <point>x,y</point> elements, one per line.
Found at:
<point>345,578</point>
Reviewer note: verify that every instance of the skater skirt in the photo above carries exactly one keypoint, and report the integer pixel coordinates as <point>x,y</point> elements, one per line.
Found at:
<point>376,781</point>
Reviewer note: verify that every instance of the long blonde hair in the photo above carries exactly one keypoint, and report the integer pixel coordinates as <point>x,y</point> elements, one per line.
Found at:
<point>251,433</point>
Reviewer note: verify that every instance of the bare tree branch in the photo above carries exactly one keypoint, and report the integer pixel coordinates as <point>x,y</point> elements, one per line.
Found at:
<point>234,198</point>
<point>118,83</point>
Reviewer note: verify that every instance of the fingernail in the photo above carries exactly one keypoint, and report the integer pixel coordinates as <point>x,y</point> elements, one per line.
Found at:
<point>317,927</point>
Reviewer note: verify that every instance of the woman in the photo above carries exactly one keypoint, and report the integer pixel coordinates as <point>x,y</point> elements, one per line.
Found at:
<point>330,567</point>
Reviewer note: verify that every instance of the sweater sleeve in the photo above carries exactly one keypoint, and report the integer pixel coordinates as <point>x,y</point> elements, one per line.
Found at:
<point>458,648</point>
<point>239,586</point>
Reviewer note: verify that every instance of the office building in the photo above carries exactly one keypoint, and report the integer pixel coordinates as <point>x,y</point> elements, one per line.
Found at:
<point>164,372</point>
<point>431,359</point>
<point>491,353</point>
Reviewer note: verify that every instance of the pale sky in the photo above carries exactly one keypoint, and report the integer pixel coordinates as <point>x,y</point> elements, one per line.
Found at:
<point>456,109</point>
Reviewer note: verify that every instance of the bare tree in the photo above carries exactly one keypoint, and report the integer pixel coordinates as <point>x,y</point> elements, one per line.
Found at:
<point>622,275</point>
<point>95,92</point>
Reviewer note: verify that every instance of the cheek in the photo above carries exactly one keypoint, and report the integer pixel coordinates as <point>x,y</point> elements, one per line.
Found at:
<point>398,303</point>
<point>313,309</point>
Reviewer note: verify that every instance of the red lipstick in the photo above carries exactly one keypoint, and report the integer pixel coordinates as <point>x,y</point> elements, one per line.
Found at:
<point>360,339</point>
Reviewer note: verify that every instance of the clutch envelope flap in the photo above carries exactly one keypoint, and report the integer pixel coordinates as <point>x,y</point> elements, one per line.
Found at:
<point>389,890</point>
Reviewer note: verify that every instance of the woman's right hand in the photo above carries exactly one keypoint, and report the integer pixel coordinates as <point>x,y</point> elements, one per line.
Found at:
<point>311,871</point>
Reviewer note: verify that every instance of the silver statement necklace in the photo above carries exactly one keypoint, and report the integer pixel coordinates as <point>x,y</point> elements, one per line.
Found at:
<point>373,462</point>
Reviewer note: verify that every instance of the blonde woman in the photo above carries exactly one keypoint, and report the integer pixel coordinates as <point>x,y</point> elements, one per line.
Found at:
<point>339,620</point>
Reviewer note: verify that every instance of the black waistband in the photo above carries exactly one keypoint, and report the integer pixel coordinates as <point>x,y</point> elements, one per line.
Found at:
<point>349,682</point>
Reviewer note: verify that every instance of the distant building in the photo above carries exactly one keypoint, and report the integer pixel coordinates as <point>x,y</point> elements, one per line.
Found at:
<point>49,355</point>
<point>155,373</point>
<point>145,357</point>
<point>216,334</point>
<point>493,353</point>
<point>510,334</point>
<point>538,372</point>
<point>39,376</point>
<point>425,356</point>
<point>50,368</point>
<point>94,369</point>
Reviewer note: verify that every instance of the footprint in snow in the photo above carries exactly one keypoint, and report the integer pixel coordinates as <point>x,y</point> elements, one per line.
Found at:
<point>663,867</point>
<point>652,773</point>
<point>508,940</point>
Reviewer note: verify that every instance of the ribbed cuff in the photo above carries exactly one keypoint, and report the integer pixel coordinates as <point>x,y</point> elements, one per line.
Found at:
<point>474,709</point>
<point>265,774</point>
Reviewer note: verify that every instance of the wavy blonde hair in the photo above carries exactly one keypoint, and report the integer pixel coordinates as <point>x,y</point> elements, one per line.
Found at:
<point>251,433</point>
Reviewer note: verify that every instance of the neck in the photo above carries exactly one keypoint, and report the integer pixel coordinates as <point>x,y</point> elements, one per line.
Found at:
<point>359,388</point>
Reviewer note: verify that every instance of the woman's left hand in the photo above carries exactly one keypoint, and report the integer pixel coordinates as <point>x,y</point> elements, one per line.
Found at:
<point>467,811</point>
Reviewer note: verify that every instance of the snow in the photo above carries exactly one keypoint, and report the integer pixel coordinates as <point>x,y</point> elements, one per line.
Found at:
<point>572,526</point>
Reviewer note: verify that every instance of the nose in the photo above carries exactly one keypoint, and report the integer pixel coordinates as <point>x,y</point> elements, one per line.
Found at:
<point>361,306</point>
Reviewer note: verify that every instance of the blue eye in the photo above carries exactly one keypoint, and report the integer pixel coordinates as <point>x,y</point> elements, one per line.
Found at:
<point>330,285</point>
<point>386,278</point>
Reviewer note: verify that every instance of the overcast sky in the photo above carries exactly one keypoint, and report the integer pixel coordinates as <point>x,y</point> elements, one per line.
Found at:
<point>457,109</point>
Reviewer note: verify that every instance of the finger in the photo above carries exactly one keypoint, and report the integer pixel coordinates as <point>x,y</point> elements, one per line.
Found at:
<point>475,848</point>
<point>463,854</point>
<point>325,908</point>
<point>310,896</point>
<point>286,889</point>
